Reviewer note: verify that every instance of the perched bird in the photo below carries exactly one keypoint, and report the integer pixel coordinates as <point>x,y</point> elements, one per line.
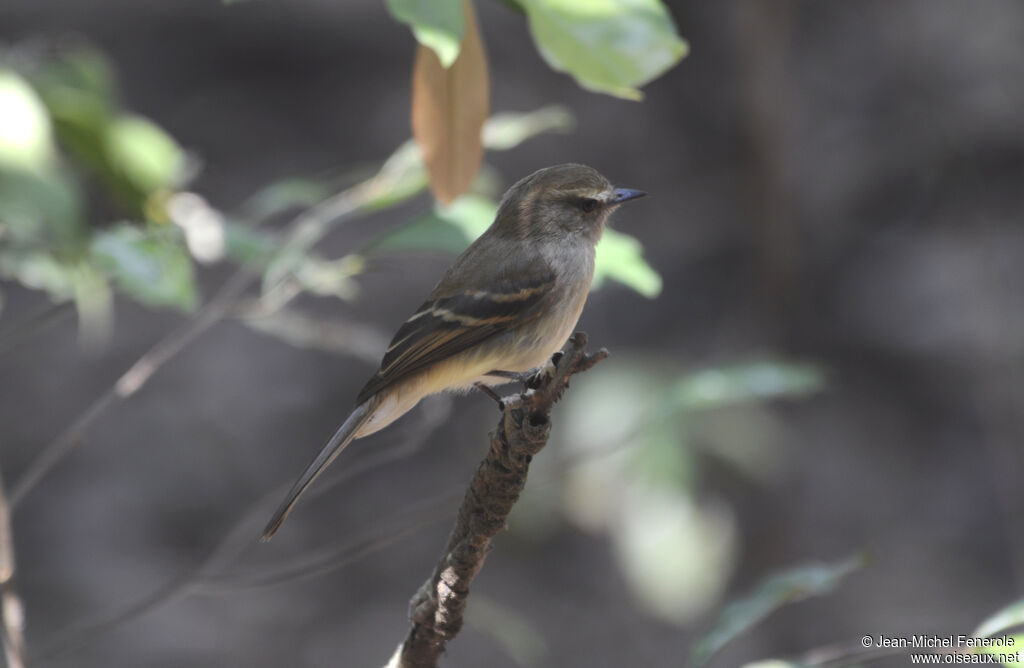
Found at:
<point>503,308</point>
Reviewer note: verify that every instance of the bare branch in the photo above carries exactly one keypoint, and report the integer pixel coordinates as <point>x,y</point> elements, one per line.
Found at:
<point>130,382</point>
<point>204,576</point>
<point>305,230</point>
<point>436,611</point>
<point>11,611</point>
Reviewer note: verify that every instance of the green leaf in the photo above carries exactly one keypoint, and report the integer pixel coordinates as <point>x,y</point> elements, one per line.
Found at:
<point>675,553</point>
<point>472,214</point>
<point>281,196</point>
<point>445,230</point>
<point>26,136</point>
<point>608,46</point>
<point>426,233</point>
<point>82,70</point>
<point>509,129</point>
<point>75,280</point>
<point>39,210</point>
<point>130,155</point>
<point>39,270</point>
<point>437,24</point>
<point>775,592</point>
<point>144,155</point>
<point>761,380</point>
<point>330,278</point>
<point>94,304</point>
<point>153,268</point>
<point>77,87</point>
<point>515,633</point>
<point>400,177</point>
<point>247,245</point>
<point>661,458</point>
<point>1010,616</point>
<point>620,258</point>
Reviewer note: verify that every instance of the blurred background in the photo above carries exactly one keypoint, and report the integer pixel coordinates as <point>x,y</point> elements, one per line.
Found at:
<point>816,361</point>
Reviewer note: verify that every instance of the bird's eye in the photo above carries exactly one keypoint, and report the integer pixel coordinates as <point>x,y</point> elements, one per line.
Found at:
<point>588,204</point>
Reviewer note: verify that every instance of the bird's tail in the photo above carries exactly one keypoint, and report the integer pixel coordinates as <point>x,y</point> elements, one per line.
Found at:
<point>345,434</point>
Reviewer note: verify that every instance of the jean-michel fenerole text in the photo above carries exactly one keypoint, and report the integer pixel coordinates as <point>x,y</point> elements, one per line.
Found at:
<point>935,641</point>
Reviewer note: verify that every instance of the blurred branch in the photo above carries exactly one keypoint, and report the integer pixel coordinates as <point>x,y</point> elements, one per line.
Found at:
<point>305,230</point>
<point>316,563</point>
<point>306,331</point>
<point>763,41</point>
<point>11,610</point>
<point>32,325</point>
<point>437,609</point>
<point>130,382</point>
<point>205,577</point>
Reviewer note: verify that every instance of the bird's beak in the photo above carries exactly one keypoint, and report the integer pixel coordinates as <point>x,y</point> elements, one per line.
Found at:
<point>620,195</point>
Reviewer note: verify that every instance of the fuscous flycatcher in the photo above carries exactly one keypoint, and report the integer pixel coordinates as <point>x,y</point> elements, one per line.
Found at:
<point>505,305</point>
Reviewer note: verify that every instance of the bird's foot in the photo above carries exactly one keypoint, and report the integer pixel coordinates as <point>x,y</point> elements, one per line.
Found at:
<point>531,378</point>
<point>543,374</point>
<point>492,394</point>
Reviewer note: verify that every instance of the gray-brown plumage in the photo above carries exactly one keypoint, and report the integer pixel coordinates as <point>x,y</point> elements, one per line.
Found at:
<point>506,304</point>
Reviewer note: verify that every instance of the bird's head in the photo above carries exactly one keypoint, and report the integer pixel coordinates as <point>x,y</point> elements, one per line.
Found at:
<point>564,200</point>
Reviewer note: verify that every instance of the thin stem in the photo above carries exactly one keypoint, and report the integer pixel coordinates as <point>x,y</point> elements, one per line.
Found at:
<point>305,230</point>
<point>204,577</point>
<point>33,324</point>
<point>130,382</point>
<point>11,609</point>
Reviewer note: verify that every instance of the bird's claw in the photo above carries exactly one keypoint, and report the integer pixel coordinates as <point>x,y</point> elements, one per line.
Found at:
<point>492,394</point>
<point>544,373</point>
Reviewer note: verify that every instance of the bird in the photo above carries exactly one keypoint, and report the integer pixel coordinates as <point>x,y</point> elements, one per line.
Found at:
<point>500,311</point>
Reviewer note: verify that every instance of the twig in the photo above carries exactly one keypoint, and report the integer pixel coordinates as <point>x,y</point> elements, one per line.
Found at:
<point>764,42</point>
<point>11,610</point>
<point>33,324</point>
<point>203,578</point>
<point>306,331</point>
<point>130,382</point>
<point>305,230</point>
<point>436,611</point>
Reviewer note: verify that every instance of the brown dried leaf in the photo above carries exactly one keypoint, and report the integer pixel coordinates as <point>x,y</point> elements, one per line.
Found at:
<point>449,107</point>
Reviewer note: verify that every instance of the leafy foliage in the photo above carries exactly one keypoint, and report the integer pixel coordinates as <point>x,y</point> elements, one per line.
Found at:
<point>62,119</point>
<point>1009,617</point>
<point>438,25</point>
<point>777,591</point>
<point>608,46</point>
<point>449,107</point>
<point>715,388</point>
<point>63,131</point>
<point>634,469</point>
<point>620,258</point>
<point>153,267</point>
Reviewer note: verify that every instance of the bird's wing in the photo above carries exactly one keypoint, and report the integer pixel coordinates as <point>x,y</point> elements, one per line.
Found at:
<point>456,318</point>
